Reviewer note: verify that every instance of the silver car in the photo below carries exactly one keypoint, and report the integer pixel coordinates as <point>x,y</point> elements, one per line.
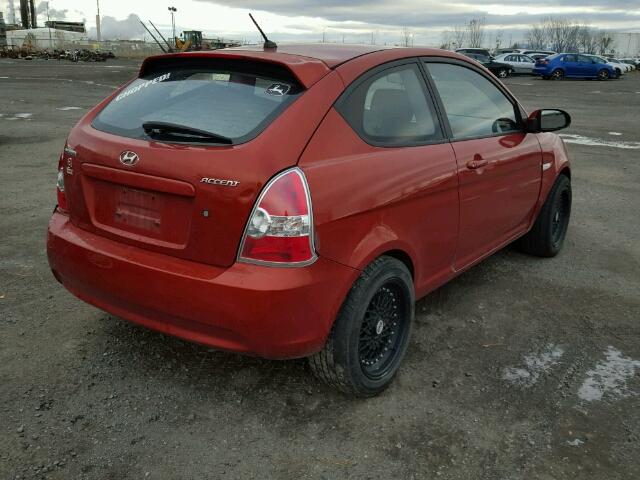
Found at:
<point>519,62</point>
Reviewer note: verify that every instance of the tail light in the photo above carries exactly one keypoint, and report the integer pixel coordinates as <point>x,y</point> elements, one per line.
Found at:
<point>62,196</point>
<point>280,229</point>
<point>65,165</point>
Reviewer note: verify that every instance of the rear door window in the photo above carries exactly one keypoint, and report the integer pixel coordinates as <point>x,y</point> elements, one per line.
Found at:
<point>232,99</point>
<point>392,108</point>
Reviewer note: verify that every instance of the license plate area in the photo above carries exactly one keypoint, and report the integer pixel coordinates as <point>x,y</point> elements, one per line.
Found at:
<point>151,217</point>
<point>139,209</point>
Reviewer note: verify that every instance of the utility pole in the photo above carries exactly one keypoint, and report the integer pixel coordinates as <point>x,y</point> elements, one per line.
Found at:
<point>49,25</point>
<point>98,33</point>
<point>173,10</point>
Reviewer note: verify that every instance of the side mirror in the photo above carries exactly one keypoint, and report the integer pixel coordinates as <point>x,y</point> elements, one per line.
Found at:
<point>548,120</point>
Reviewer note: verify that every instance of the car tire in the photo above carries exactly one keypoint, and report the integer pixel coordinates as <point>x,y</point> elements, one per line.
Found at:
<point>557,74</point>
<point>503,73</point>
<point>547,235</point>
<point>603,74</point>
<point>370,335</point>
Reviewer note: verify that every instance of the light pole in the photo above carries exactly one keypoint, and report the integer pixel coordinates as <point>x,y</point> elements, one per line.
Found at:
<point>173,10</point>
<point>49,25</point>
<point>98,33</point>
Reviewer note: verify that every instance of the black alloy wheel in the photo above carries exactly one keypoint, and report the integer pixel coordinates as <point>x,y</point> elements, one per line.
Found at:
<point>383,330</point>
<point>369,337</point>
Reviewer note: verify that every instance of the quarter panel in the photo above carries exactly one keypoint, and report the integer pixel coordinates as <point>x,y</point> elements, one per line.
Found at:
<point>368,200</point>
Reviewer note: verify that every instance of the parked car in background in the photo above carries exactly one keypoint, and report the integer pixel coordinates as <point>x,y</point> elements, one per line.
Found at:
<point>624,66</point>
<point>634,62</point>
<point>537,55</point>
<point>500,70</point>
<point>331,186</point>
<point>620,68</point>
<point>500,51</point>
<point>573,65</point>
<point>520,63</point>
<point>474,51</point>
<point>526,51</point>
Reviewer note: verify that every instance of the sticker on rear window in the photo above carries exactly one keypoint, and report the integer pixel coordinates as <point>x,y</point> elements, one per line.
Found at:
<point>278,89</point>
<point>137,88</point>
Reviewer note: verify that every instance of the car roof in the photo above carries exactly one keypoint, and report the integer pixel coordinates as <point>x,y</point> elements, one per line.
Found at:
<point>331,54</point>
<point>309,61</point>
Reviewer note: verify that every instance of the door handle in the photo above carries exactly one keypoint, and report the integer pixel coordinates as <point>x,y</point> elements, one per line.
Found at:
<point>477,162</point>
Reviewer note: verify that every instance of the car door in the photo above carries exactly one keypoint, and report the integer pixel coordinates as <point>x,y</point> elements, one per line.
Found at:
<point>571,66</point>
<point>499,164</point>
<point>587,66</point>
<point>525,64</point>
<point>510,60</point>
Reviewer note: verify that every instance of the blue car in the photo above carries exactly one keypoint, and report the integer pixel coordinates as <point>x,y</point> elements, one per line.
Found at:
<point>573,65</point>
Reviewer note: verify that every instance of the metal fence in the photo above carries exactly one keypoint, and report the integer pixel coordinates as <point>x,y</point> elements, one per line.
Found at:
<point>120,48</point>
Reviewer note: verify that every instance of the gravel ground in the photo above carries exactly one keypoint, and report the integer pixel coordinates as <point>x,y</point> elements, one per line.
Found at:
<point>530,369</point>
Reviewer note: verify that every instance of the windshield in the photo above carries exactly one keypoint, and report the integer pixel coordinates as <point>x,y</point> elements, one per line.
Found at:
<point>234,101</point>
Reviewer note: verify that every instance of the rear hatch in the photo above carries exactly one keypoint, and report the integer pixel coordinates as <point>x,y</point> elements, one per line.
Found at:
<point>176,159</point>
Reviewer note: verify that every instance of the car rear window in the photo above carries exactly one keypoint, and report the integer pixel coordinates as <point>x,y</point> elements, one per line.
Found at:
<point>232,99</point>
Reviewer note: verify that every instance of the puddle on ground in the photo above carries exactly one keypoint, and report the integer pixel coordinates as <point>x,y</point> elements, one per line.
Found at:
<point>609,377</point>
<point>535,365</point>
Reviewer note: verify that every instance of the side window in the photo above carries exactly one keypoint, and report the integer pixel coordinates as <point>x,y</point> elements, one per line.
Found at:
<point>475,107</point>
<point>570,58</point>
<point>392,108</point>
<point>585,59</point>
<point>510,58</point>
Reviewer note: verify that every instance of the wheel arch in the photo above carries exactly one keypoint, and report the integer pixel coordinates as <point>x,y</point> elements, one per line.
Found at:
<point>404,257</point>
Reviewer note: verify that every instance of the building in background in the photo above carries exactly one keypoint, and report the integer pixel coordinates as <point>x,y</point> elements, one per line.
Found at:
<point>3,32</point>
<point>67,26</point>
<point>44,38</point>
<point>626,44</point>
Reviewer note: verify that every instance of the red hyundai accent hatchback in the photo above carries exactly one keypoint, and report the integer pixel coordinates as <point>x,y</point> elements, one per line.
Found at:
<point>294,202</point>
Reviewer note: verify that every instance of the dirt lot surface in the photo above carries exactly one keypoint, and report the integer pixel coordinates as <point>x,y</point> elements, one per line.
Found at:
<point>529,370</point>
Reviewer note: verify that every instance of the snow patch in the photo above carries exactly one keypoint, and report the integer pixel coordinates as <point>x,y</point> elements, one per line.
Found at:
<point>575,443</point>
<point>597,142</point>
<point>617,134</point>
<point>68,108</point>
<point>535,365</point>
<point>23,115</point>
<point>609,377</point>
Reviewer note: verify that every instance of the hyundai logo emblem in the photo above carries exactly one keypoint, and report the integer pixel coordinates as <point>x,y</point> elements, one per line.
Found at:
<point>129,158</point>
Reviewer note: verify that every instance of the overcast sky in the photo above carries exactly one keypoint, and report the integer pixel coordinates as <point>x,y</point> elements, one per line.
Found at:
<point>353,20</point>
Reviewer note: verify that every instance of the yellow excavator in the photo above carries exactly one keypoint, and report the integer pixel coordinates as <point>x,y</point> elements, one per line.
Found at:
<point>191,40</point>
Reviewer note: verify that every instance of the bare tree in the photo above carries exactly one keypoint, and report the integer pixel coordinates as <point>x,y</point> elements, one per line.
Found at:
<point>406,39</point>
<point>587,39</point>
<point>498,40</point>
<point>459,36</point>
<point>604,43</point>
<point>475,31</point>
<point>537,37</point>
<point>447,39</point>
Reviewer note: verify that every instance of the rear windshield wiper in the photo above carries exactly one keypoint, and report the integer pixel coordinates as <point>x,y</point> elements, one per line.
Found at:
<point>174,130</point>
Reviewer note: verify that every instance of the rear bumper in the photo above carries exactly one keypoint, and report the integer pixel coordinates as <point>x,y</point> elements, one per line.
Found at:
<point>265,311</point>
